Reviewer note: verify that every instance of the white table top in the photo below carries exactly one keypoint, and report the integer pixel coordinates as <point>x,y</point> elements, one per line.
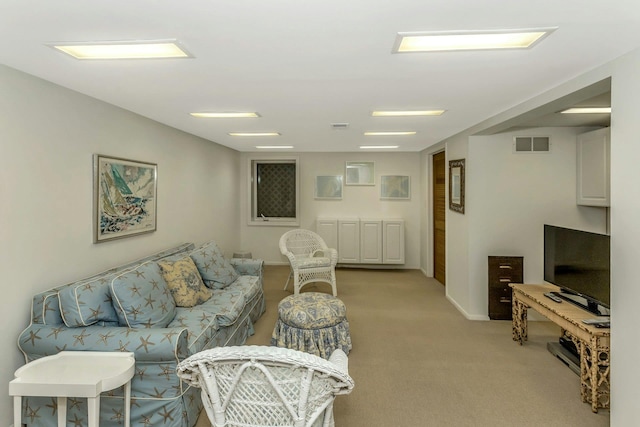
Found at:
<point>73,374</point>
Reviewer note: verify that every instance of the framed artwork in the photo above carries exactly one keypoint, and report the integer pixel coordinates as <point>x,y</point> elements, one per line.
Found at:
<point>124,197</point>
<point>456,185</point>
<point>360,173</point>
<point>328,187</point>
<point>395,187</point>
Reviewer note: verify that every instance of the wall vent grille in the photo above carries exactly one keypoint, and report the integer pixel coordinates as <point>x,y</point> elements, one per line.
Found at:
<point>339,126</point>
<point>531,144</point>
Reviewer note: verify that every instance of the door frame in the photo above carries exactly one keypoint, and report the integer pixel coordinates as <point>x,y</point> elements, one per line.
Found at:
<point>429,265</point>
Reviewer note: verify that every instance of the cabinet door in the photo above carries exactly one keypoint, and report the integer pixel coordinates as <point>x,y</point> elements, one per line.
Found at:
<point>328,229</point>
<point>593,150</point>
<point>370,241</point>
<point>348,241</point>
<point>393,241</point>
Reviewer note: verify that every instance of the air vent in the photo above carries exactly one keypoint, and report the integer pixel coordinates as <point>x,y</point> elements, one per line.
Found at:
<point>531,144</point>
<point>339,126</point>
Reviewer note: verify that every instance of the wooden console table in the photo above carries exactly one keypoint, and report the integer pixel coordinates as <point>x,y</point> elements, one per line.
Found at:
<point>592,343</point>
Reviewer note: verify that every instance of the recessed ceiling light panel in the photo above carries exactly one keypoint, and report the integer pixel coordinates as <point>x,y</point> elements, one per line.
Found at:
<point>407,113</point>
<point>273,147</point>
<point>374,147</point>
<point>469,40</point>
<point>392,133</point>
<point>238,115</point>
<point>587,110</point>
<point>254,133</point>
<point>135,49</point>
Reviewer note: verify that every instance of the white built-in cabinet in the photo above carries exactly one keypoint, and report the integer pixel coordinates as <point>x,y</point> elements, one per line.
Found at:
<point>364,240</point>
<point>371,241</point>
<point>593,168</point>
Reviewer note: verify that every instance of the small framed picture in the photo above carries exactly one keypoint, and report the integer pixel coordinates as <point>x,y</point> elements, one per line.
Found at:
<point>360,173</point>
<point>395,187</point>
<point>328,187</point>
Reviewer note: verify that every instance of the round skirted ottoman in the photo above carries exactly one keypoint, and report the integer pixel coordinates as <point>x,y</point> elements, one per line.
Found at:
<point>312,322</point>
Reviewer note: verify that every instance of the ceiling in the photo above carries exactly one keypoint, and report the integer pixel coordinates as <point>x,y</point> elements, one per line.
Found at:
<point>303,65</point>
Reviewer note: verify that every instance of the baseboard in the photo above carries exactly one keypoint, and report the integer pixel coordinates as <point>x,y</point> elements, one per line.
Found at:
<point>464,313</point>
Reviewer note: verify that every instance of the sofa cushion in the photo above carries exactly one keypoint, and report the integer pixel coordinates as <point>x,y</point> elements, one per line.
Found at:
<point>227,305</point>
<point>185,282</point>
<point>214,268</point>
<point>142,298</point>
<point>86,302</point>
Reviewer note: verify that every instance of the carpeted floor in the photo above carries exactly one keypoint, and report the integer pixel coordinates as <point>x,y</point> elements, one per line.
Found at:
<point>416,361</point>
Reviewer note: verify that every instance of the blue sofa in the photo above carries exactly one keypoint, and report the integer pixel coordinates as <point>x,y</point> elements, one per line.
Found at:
<point>131,308</point>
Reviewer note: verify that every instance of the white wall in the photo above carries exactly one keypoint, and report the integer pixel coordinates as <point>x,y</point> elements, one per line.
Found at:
<point>357,201</point>
<point>625,241</point>
<point>457,232</point>
<point>511,196</point>
<point>625,233</point>
<point>47,138</point>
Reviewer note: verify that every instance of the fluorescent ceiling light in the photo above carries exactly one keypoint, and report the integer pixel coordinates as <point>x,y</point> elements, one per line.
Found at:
<point>407,113</point>
<point>225,115</point>
<point>393,133</point>
<point>373,147</point>
<point>273,147</point>
<point>254,133</point>
<point>468,40</point>
<point>123,50</point>
<point>587,110</point>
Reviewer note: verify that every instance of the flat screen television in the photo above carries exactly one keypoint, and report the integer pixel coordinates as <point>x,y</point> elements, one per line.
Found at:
<point>578,262</point>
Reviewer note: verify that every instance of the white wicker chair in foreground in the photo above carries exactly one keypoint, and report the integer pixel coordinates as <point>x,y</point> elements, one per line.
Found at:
<point>267,386</point>
<point>310,258</point>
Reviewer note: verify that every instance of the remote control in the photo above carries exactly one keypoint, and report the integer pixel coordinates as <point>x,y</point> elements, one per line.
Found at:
<point>553,297</point>
<point>594,321</point>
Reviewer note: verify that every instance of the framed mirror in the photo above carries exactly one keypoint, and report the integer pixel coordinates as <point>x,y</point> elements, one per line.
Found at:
<point>360,173</point>
<point>456,185</point>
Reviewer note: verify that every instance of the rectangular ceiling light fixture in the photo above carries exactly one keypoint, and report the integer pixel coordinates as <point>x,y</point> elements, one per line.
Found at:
<point>587,110</point>
<point>373,147</point>
<point>254,133</point>
<point>136,49</point>
<point>393,133</point>
<point>225,115</point>
<point>468,40</point>
<point>273,147</point>
<point>407,113</point>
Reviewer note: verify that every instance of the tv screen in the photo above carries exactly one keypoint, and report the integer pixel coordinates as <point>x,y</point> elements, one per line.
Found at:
<point>578,262</point>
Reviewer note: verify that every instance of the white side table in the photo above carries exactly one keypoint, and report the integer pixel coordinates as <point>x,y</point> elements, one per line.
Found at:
<point>74,374</point>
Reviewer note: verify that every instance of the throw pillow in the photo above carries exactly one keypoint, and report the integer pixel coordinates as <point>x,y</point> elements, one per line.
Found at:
<point>185,282</point>
<point>214,268</point>
<point>142,298</point>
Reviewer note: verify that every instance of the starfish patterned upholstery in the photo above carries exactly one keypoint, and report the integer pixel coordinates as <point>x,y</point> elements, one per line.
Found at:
<point>130,308</point>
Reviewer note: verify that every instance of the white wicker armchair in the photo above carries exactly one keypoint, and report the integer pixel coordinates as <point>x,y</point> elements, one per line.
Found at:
<point>267,386</point>
<point>310,258</point>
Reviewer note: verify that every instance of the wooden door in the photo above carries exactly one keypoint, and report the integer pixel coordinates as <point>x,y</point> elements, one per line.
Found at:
<point>438,203</point>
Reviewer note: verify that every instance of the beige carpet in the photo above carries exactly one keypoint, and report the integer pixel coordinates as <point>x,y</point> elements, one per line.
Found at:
<point>416,361</point>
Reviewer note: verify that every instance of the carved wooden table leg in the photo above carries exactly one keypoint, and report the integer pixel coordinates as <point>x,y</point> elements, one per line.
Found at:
<point>594,374</point>
<point>519,321</point>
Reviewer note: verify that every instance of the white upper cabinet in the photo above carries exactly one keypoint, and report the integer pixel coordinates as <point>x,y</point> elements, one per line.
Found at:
<point>593,168</point>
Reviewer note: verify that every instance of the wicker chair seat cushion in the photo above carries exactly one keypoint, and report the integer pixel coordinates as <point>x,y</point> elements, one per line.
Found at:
<point>312,262</point>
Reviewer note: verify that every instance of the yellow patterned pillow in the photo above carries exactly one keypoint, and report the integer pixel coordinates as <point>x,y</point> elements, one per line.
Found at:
<point>185,282</point>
